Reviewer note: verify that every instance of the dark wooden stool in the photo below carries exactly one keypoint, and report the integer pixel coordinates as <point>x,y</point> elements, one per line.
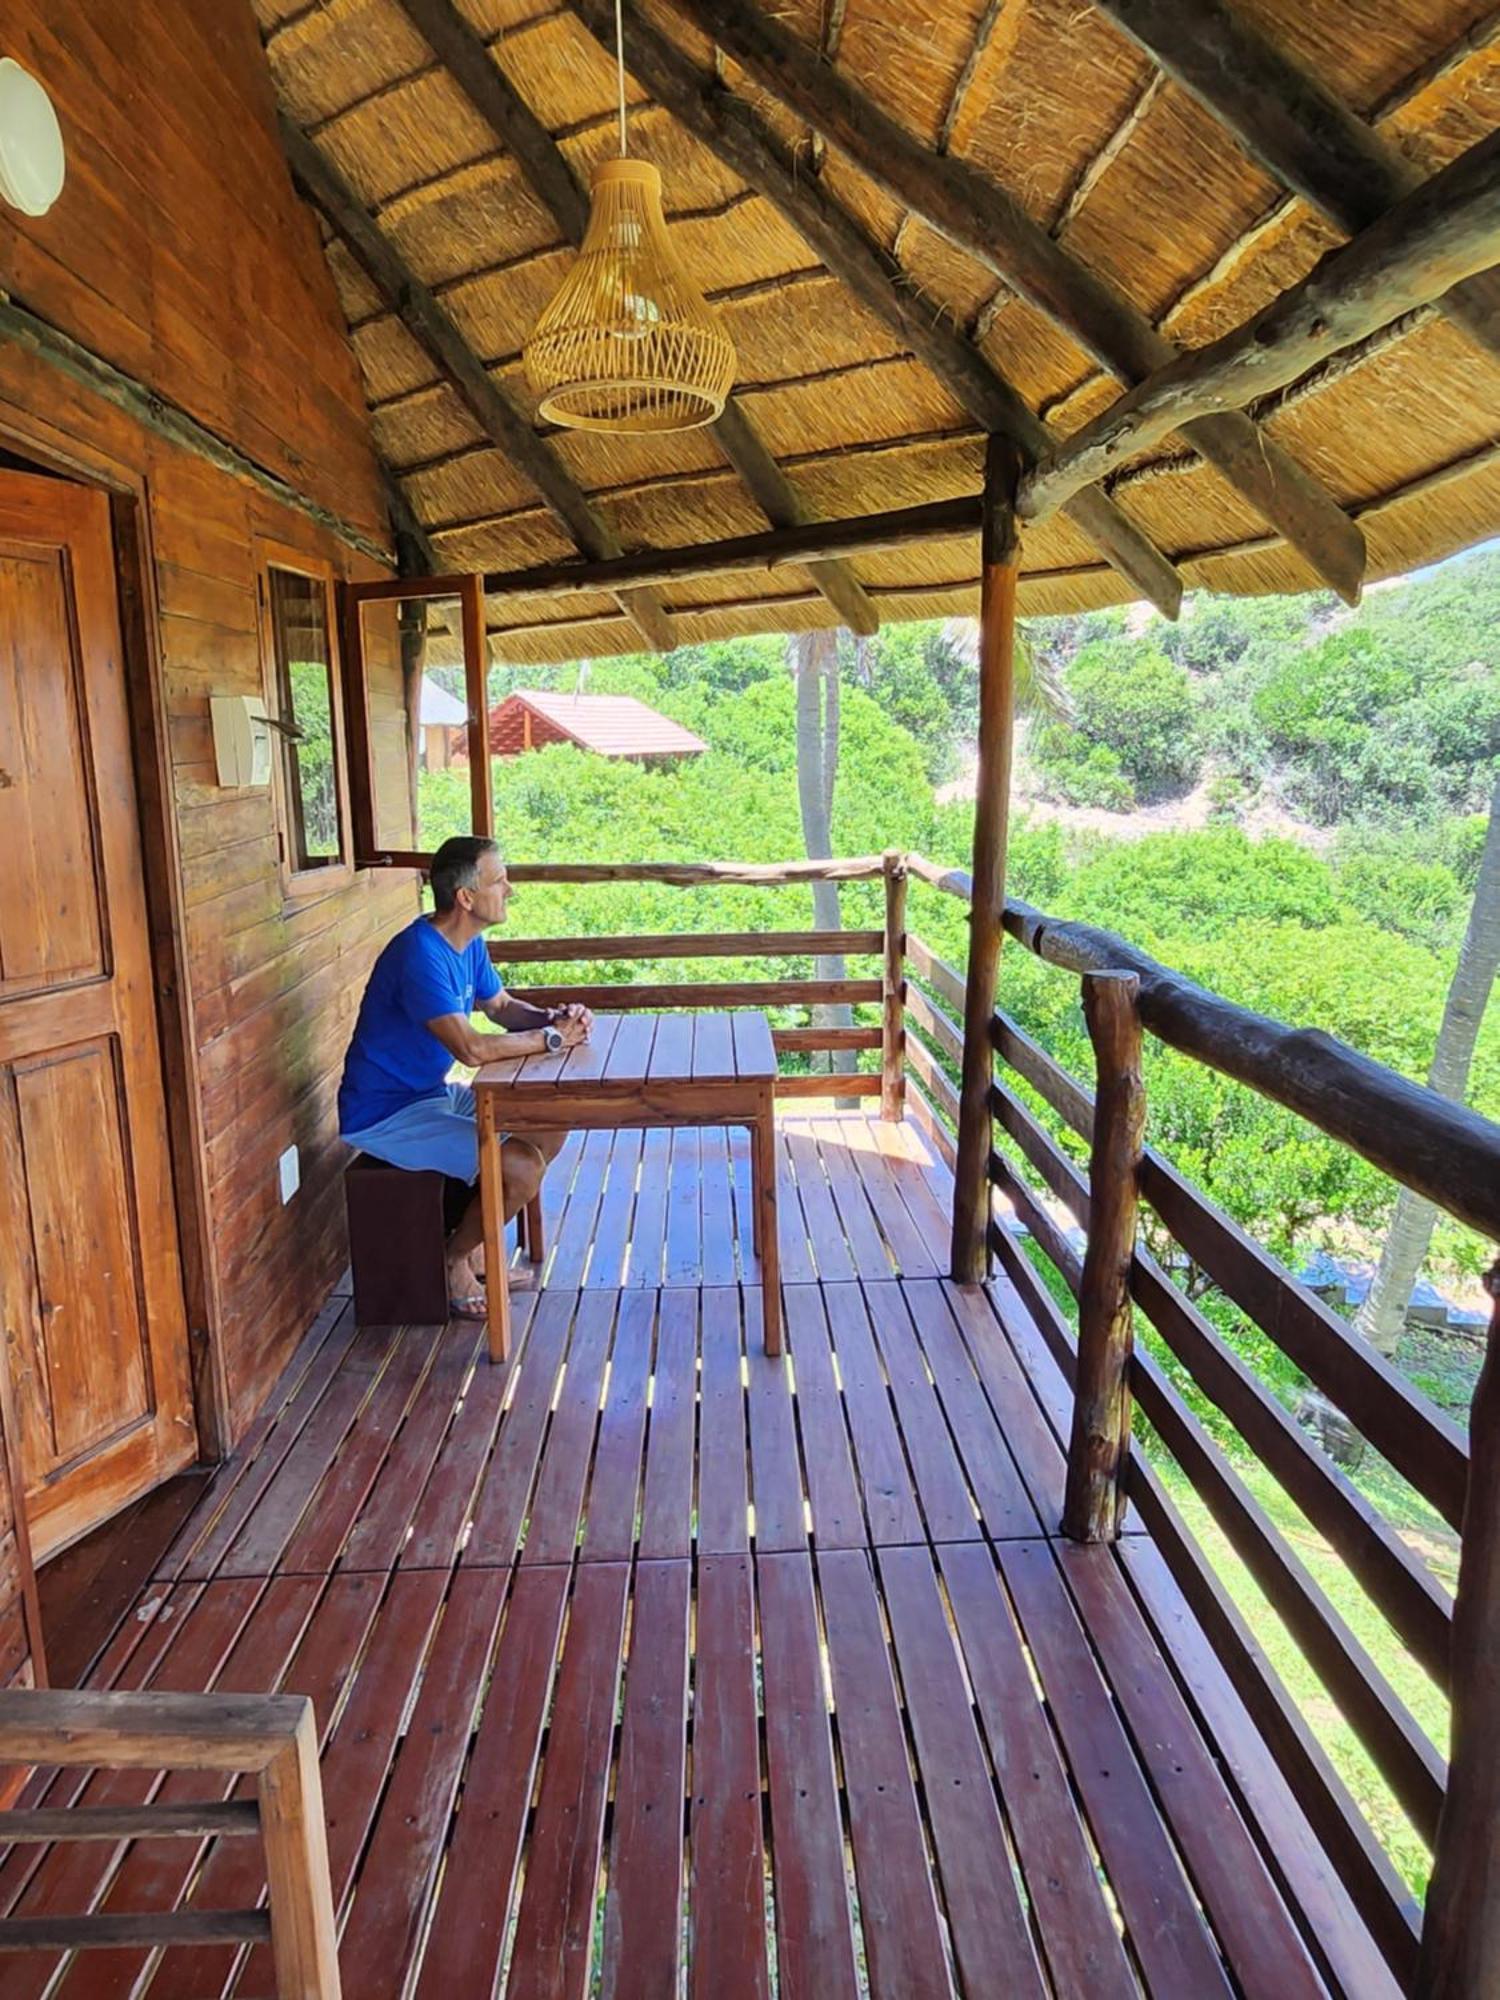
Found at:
<point>399,1223</point>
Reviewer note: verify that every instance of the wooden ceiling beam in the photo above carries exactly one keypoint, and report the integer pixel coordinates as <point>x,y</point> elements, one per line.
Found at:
<point>980,216</point>
<point>467,59</point>
<point>771,550</point>
<point>1290,123</point>
<point>732,130</point>
<point>1439,235</point>
<point>440,339</point>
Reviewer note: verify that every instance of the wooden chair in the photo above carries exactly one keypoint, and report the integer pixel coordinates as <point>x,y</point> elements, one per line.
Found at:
<point>273,1737</point>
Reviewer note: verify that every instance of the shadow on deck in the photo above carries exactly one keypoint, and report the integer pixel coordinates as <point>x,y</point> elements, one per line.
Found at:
<point>644,1658</point>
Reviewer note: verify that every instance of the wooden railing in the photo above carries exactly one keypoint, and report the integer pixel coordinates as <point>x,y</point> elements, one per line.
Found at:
<point>1422,1140</point>
<point>270,1737</point>
<point>886,988</point>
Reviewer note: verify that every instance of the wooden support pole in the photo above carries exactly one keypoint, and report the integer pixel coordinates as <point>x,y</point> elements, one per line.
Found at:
<point>893,1024</point>
<point>1099,1448</point>
<point>1460,1957</point>
<point>304,1935</point>
<point>1001,564</point>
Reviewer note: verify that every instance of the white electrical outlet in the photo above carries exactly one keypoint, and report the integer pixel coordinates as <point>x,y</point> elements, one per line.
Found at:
<point>289,1169</point>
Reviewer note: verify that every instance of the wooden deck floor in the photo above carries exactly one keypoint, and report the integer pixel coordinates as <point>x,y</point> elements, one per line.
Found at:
<point>646,1666</point>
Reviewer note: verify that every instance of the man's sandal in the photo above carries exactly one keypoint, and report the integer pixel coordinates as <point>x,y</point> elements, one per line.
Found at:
<point>471,1306</point>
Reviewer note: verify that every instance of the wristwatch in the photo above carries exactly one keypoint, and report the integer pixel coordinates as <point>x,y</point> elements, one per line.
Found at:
<point>552,1039</point>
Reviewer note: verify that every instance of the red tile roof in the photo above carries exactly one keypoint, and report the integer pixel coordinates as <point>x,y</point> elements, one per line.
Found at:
<point>611,725</point>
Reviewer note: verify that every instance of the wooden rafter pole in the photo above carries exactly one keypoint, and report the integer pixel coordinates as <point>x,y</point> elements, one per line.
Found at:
<point>1001,560</point>
<point>1290,123</point>
<point>1460,1956</point>
<point>439,337</point>
<point>979,215</point>
<point>467,59</point>
<point>1445,229</point>
<point>1099,1446</point>
<point>742,140</point>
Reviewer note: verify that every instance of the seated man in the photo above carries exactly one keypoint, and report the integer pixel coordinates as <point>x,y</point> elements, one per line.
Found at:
<point>395,1100</point>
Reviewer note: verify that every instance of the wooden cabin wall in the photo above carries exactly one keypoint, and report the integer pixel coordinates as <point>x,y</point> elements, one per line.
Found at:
<point>180,252</point>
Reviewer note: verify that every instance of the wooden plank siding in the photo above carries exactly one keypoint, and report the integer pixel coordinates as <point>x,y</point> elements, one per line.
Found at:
<point>180,253</point>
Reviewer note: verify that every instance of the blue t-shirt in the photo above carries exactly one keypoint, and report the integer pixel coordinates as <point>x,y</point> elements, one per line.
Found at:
<point>393,1059</point>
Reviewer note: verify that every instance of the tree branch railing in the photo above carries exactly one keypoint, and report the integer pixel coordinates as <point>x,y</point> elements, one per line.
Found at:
<point>1424,1141</point>
<point>272,1738</point>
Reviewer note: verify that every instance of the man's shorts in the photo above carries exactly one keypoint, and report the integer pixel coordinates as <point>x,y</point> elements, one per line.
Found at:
<point>436,1133</point>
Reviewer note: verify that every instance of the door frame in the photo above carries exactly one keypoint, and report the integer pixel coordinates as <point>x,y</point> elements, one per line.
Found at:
<point>40,448</point>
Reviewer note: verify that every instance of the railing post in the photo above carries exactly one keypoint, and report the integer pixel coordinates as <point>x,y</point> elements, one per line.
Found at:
<point>304,1937</point>
<point>893,1022</point>
<point>1100,1443</point>
<point>1000,555</point>
<point>1460,1955</point>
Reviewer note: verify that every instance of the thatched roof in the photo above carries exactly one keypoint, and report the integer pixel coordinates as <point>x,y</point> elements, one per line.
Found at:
<point>1126,170</point>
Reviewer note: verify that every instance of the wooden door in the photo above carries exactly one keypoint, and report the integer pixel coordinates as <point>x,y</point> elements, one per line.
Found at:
<point>98,1388</point>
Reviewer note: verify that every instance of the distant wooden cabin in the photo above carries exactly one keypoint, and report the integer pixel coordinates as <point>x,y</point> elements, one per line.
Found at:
<point>611,725</point>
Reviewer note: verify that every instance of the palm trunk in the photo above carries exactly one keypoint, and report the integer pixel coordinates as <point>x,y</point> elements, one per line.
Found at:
<point>815,663</point>
<point>1383,1314</point>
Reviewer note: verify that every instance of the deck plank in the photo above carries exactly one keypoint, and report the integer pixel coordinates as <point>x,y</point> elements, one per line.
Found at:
<point>720,1265</point>
<point>443,1509</point>
<point>992,1941</point>
<point>723,1488</point>
<point>684,1256</point>
<point>814,1928</point>
<point>643,1909</point>
<point>727,1851</point>
<point>606,1266</point>
<point>1249,1918</point>
<point>825,1231</point>
<point>797,1267</point>
<point>838,1517</point>
<point>575,1228</point>
<point>1083,1948</point>
<point>555,1926</point>
<point>900,1927</point>
<point>379,1534</point>
<point>556,1510</point>
<point>1005,1506</point>
<point>1162,1918</point>
<point>667,1498</point>
<point>648,1234</point>
<point>947,1504</point>
<point>614,1488</point>
<point>396,1873</point>
<point>890,1503</point>
<point>503,1498</point>
<point>473,1910</point>
<point>775,1470</point>
<point>861,1231</point>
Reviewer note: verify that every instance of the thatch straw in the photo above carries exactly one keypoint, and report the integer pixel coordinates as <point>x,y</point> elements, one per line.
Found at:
<point>1046,95</point>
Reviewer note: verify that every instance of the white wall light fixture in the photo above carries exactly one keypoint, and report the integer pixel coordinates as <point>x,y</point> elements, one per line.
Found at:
<point>32,163</point>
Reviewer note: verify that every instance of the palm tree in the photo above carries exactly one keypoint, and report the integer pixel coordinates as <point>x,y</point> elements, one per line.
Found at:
<point>1383,1314</point>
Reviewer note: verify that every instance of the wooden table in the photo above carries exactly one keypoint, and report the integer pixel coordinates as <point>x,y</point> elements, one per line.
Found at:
<point>636,1070</point>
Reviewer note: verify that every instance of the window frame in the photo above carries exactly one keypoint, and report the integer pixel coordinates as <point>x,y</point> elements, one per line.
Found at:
<point>300,884</point>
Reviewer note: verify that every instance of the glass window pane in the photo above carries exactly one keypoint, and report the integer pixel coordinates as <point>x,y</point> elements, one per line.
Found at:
<point>418,709</point>
<point>304,682</point>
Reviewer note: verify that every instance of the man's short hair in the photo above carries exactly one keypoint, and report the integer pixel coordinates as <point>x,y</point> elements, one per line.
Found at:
<point>455,866</point>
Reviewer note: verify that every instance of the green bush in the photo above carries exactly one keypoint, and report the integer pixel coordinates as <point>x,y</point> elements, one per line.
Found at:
<point>1140,705</point>
<point>1079,771</point>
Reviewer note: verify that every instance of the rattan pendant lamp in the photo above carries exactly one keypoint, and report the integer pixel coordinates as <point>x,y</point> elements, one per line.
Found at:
<point>629,344</point>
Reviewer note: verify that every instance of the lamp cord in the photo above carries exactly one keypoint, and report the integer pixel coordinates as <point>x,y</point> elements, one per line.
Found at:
<point>620,66</point>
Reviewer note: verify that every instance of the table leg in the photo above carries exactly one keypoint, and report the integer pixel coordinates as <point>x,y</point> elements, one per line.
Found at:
<point>763,1151</point>
<point>492,1196</point>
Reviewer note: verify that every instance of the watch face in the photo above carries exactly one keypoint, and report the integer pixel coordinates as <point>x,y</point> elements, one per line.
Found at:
<point>553,1039</point>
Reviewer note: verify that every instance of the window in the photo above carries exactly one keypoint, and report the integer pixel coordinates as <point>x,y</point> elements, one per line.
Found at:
<point>304,703</point>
